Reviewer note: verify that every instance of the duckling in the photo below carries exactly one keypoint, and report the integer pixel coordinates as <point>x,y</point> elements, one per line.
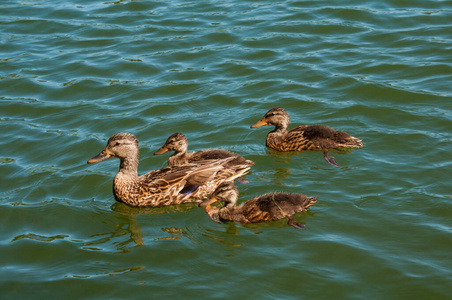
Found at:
<point>178,143</point>
<point>268,207</point>
<point>166,186</point>
<point>305,137</point>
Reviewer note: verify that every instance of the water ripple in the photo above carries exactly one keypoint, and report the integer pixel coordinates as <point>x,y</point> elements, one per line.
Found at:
<point>377,69</point>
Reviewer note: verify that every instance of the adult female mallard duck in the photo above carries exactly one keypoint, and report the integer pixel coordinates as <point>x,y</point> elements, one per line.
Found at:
<point>166,186</point>
<point>268,207</point>
<point>178,143</point>
<point>305,137</point>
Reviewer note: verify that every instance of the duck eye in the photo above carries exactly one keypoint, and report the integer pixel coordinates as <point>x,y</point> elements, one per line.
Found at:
<point>117,144</point>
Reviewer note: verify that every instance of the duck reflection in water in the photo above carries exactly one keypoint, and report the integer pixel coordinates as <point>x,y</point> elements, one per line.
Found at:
<point>133,226</point>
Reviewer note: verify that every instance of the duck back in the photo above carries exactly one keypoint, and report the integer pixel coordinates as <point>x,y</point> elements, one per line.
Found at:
<point>318,137</point>
<point>273,206</point>
<point>219,154</point>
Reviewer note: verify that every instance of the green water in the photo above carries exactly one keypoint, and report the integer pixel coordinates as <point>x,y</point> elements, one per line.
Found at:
<point>72,74</point>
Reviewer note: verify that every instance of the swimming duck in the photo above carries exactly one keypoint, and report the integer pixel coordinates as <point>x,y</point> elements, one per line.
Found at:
<point>166,186</point>
<point>305,137</point>
<point>268,207</point>
<point>178,143</point>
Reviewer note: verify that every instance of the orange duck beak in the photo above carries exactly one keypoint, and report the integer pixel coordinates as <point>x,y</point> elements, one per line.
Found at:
<point>212,215</point>
<point>259,123</point>
<point>163,149</point>
<point>100,157</point>
<point>208,202</point>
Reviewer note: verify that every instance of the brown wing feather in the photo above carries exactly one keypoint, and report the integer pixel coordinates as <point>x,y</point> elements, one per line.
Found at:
<point>296,140</point>
<point>317,137</point>
<point>164,186</point>
<point>219,154</point>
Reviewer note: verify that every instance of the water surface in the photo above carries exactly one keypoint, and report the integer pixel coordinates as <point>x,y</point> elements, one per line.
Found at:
<point>73,74</point>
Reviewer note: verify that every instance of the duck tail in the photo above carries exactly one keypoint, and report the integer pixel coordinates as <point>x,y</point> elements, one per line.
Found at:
<point>238,171</point>
<point>312,200</point>
<point>352,142</point>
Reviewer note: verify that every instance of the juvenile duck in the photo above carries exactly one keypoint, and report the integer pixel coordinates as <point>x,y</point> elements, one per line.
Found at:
<point>166,186</point>
<point>178,143</point>
<point>305,137</point>
<point>268,207</point>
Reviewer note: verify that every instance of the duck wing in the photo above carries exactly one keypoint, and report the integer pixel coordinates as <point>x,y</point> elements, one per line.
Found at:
<point>185,179</point>
<point>296,139</point>
<point>316,137</point>
<point>219,154</point>
<point>327,137</point>
<point>275,206</point>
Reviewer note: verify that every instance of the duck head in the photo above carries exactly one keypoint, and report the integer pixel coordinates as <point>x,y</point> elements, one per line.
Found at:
<point>120,145</point>
<point>227,192</point>
<point>176,142</point>
<point>276,116</point>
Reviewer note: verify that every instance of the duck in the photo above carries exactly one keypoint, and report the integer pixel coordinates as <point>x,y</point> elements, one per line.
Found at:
<point>178,143</point>
<point>305,137</point>
<point>165,186</point>
<point>268,207</point>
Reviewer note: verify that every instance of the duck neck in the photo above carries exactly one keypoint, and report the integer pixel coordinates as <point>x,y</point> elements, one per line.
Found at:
<point>182,156</point>
<point>230,198</point>
<point>275,137</point>
<point>129,167</point>
<point>126,183</point>
<point>179,157</point>
<point>230,213</point>
<point>280,129</point>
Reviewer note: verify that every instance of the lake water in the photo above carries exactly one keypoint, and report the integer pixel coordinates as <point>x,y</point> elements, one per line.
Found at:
<point>75,72</point>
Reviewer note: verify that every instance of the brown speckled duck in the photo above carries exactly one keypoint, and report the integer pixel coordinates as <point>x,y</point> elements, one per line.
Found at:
<point>268,207</point>
<point>305,137</point>
<point>178,143</point>
<point>166,186</point>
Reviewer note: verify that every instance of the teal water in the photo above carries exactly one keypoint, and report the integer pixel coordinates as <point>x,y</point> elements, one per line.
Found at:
<point>72,74</point>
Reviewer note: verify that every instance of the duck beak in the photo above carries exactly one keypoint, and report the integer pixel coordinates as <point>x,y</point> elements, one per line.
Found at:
<point>212,215</point>
<point>163,149</point>
<point>100,157</point>
<point>208,202</point>
<point>260,123</point>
